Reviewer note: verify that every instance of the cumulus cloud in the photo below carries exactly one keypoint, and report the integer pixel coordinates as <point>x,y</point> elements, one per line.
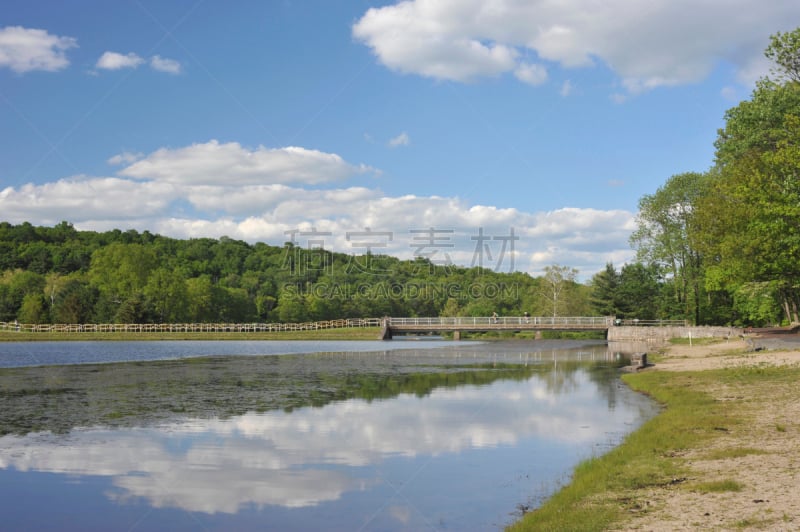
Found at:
<point>256,460</point>
<point>212,162</point>
<point>117,61</point>
<point>262,194</point>
<point>82,198</point>
<point>26,49</point>
<point>647,44</point>
<point>162,64</point>
<point>400,140</point>
<point>124,158</point>
<point>531,74</point>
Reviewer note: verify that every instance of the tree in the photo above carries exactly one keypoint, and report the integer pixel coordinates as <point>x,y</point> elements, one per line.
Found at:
<point>121,270</point>
<point>749,219</point>
<point>451,308</point>
<point>604,296</point>
<point>639,292</point>
<point>664,237</point>
<point>757,304</point>
<point>557,282</point>
<point>291,306</point>
<point>33,309</point>
<point>784,52</point>
<point>199,299</point>
<point>166,294</point>
<point>74,303</point>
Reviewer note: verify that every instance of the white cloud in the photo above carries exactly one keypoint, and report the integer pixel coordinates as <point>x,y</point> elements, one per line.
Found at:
<point>82,198</point>
<point>25,49</point>
<point>409,37</point>
<point>162,64</point>
<point>116,61</point>
<point>255,459</point>
<point>400,140</point>
<point>531,74</point>
<point>124,158</point>
<point>647,44</point>
<point>567,88</point>
<point>211,163</point>
<point>217,189</point>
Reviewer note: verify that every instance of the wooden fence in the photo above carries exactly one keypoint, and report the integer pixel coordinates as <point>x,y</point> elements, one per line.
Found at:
<point>187,327</point>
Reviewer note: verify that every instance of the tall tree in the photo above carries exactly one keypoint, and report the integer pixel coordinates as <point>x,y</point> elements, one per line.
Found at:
<point>784,52</point>
<point>664,237</point>
<point>749,221</point>
<point>122,270</point>
<point>558,281</point>
<point>604,291</point>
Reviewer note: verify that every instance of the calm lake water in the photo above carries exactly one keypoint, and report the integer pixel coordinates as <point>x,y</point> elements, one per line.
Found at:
<point>401,435</point>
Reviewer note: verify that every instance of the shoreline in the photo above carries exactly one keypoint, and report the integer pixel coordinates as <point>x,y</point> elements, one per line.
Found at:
<point>760,455</point>
<point>721,456</point>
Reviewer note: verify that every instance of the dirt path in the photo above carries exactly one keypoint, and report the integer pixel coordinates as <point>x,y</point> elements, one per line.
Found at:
<point>762,454</point>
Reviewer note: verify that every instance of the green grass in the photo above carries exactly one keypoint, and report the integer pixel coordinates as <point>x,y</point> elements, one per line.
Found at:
<point>603,489</point>
<point>733,452</point>
<point>718,486</point>
<point>366,333</point>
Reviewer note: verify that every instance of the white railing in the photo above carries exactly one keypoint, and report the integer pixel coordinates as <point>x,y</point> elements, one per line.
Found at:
<point>531,321</point>
<point>186,327</point>
<point>598,322</point>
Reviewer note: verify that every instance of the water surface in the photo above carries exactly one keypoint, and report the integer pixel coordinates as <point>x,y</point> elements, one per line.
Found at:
<point>456,438</point>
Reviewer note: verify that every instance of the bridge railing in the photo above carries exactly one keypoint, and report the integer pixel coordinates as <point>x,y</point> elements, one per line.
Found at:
<point>186,327</point>
<point>552,321</point>
<point>653,323</point>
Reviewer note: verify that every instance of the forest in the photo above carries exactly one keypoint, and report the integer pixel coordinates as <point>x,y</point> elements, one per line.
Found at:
<point>62,275</point>
<point>715,247</point>
<point>728,239</point>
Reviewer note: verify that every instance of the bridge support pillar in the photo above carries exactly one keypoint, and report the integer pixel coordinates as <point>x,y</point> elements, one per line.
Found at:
<point>456,335</point>
<point>538,335</point>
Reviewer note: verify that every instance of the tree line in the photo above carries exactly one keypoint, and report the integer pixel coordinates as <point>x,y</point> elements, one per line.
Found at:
<point>62,275</point>
<point>727,240</point>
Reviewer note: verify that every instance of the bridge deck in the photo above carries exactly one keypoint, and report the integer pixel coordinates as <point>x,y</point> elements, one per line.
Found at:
<point>482,324</point>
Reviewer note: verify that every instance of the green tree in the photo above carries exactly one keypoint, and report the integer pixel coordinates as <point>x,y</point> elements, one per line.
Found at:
<point>74,303</point>
<point>166,294</point>
<point>451,308</point>
<point>199,299</point>
<point>557,284</point>
<point>757,303</point>
<point>664,237</point>
<point>121,270</point>
<point>639,292</point>
<point>749,220</point>
<point>33,309</point>
<point>604,291</point>
<point>784,52</point>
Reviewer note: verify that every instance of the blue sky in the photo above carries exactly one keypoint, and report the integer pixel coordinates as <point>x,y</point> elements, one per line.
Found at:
<point>258,119</point>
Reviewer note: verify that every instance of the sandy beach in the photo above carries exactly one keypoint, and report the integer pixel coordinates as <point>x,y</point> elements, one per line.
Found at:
<point>768,467</point>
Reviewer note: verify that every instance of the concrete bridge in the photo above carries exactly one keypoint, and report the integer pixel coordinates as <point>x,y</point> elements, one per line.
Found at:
<point>458,325</point>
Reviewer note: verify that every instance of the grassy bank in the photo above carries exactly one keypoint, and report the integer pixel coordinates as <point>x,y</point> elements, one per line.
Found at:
<point>365,333</point>
<point>607,491</point>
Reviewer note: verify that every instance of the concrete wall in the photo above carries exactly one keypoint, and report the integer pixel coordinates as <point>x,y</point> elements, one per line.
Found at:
<point>630,333</point>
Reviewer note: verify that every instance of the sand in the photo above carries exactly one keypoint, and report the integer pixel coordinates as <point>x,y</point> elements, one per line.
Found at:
<point>768,468</point>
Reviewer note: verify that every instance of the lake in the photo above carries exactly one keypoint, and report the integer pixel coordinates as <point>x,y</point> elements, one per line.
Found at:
<point>401,435</point>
